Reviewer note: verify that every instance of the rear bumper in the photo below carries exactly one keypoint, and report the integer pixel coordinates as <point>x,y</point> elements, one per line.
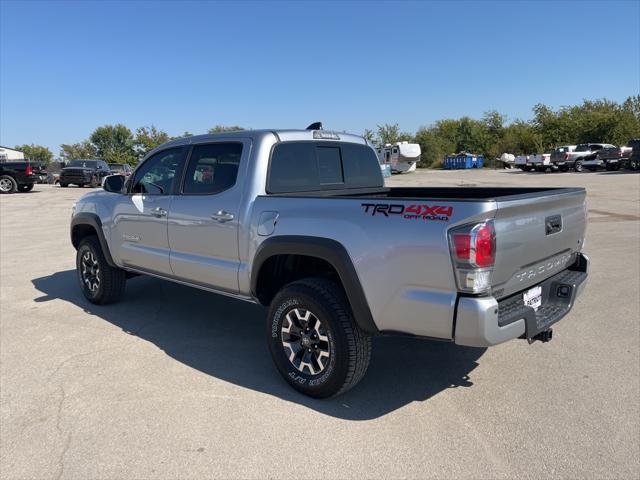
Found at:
<point>485,321</point>
<point>76,178</point>
<point>27,179</point>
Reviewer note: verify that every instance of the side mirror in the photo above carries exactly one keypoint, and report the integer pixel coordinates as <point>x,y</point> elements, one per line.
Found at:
<point>113,183</point>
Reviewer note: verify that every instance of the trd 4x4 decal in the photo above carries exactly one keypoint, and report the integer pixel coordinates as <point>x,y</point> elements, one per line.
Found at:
<point>411,212</point>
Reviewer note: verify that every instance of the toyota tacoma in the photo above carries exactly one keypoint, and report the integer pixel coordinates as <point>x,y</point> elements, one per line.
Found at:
<point>300,221</point>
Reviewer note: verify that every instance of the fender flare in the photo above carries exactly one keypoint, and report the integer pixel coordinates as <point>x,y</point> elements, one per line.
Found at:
<point>326,249</point>
<point>92,220</point>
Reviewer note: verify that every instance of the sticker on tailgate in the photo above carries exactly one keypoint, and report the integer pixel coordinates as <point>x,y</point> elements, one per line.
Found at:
<point>410,212</point>
<point>533,297</point>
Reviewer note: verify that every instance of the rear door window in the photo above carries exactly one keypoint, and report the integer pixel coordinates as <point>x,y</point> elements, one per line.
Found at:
<point>212,168</point>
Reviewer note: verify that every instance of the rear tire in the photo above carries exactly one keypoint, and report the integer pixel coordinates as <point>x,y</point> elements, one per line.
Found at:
<point>314,340</point>
<point>25,188</point>
<point>100,282</point>
<point>63,185</point>
<point>578,166</point>
<point>8,184</point>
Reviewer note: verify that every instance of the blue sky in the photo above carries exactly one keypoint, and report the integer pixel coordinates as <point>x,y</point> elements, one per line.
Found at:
<point>68,67</point>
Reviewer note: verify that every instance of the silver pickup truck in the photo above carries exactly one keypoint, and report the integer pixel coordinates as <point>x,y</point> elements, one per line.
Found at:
<point>300,221</point>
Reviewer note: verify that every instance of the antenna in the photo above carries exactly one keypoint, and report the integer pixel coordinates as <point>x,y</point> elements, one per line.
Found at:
<point>315,126</point>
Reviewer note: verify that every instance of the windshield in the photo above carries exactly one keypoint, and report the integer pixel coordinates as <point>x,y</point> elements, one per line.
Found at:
<point>116,166</point>
<point>83,163</point>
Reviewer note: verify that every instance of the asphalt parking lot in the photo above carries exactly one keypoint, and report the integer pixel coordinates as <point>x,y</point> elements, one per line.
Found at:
<point>178,383</point>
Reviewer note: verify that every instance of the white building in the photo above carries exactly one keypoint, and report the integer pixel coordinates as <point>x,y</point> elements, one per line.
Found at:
<point>9,154</point>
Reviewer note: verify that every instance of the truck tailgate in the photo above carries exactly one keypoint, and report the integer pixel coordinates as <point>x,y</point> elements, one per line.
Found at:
<point>537,236</point>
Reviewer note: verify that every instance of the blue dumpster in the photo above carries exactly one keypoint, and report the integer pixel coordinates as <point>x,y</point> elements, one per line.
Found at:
<point>463,161</point>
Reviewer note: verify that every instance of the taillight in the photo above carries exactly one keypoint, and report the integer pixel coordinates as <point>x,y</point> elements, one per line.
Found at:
<point>566,156</point>
<point>485,245</point>
<point>29,170</point>
<point>473,249</point>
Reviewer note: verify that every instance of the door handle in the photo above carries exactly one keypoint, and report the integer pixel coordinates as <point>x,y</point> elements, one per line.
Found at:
<point>222,216</point>
<point>159,212</point>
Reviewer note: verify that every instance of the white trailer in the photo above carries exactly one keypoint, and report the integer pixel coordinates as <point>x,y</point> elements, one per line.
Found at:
<point>403,157</point>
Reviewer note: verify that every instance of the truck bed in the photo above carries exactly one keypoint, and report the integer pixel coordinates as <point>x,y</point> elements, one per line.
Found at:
<point>394,219</point>
<point>439,193</point>
<point>471,193</point>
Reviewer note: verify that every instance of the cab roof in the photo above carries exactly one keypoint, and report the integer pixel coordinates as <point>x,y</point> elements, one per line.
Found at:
<point>279,135</point>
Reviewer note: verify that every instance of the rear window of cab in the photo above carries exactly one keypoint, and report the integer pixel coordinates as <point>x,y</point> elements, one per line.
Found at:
<point>312,166</point>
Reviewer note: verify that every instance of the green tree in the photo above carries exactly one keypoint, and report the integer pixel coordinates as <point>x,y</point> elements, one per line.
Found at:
<point>388,133</point>
<point>76,151</point>
<point>36,153</point>
<point>114,144</point>
<point>448,131</point>
<point>472,136</point>
<point>369,135</point>
<point>494,124</point>
<point>148,138</point>
<point>184,135</point>
<point>431,146</point>
<point>520,138</point>
<point>223,128</point>
<point>599,120</point>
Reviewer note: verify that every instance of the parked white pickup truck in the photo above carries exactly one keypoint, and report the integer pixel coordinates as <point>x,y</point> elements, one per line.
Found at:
<point>541,162</point>
<point>523,162</point>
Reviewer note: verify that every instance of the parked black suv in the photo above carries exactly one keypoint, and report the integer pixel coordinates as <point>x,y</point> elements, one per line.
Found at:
<point>84,172</point>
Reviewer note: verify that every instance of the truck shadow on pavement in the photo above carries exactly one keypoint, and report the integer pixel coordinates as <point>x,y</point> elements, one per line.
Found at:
<point>225,338</point>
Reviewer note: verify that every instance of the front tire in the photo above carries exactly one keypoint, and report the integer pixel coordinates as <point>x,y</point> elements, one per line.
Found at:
<point>314,340</point>
<point>25,188</point>
<point>8,184</point>
<point>578,166</point>
<point>100,282</point>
